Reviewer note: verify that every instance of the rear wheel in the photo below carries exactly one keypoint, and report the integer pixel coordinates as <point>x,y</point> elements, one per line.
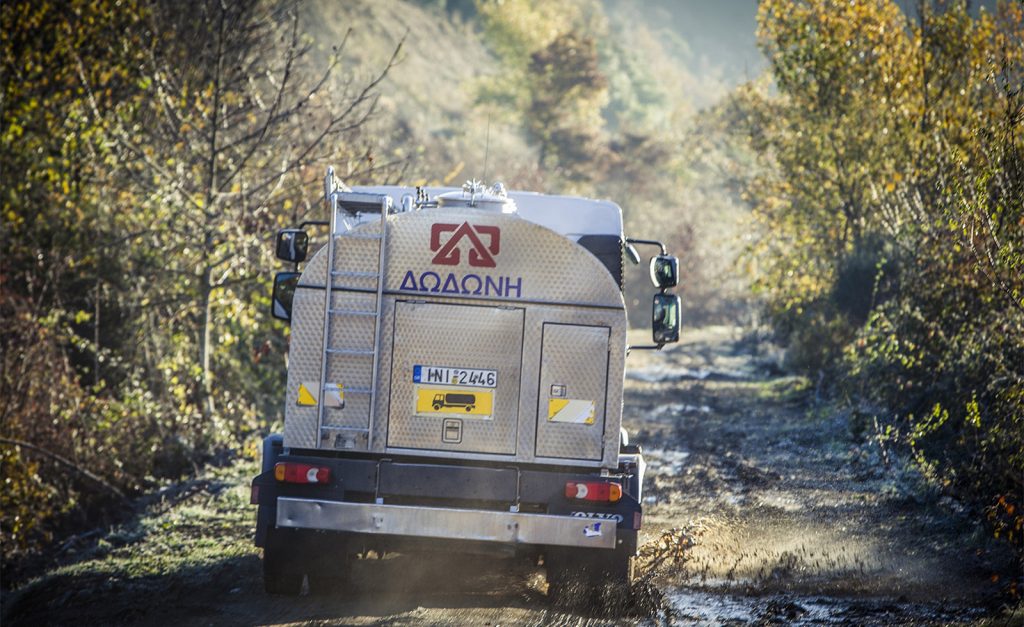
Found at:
<point>291,555</point>
<point>329,564</point>
<point>572,571</point>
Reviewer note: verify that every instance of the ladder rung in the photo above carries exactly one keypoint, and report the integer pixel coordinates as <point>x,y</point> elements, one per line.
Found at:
<point>354,273</point>
<point>351,235</point>
<point>347,391</point>
<point>351,351</point>
<point>333,428</point>
<point>352,312</point>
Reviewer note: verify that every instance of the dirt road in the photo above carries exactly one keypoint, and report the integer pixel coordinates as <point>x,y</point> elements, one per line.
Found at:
<point>761,507</point>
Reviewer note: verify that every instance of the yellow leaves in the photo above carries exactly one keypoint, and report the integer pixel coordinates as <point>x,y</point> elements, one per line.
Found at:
<point>14,131</point>
<point>973,415</point>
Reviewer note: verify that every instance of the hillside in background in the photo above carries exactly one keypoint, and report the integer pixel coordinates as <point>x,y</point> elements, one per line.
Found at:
<point>664,66</point>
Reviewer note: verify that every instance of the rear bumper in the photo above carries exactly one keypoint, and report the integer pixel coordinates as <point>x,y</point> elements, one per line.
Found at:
<point>400,501</point>
<point>445,523</point>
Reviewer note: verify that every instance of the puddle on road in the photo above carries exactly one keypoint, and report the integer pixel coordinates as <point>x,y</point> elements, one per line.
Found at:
<point>665,462</point>
<point>675,410</point>
<point>700,607</point>
<point>669,374</point>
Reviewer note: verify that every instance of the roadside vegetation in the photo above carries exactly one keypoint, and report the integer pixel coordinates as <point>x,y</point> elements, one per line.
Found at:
<point>148,154</point>
<point>890,201</point>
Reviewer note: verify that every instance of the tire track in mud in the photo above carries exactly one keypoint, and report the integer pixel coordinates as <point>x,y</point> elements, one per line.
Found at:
<point>794,520</point>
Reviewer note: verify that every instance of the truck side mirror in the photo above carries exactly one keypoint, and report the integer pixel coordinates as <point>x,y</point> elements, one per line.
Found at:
<point>665,319</point>
<point>664,271</point>
<point>284,292</point>
<point>292,245</point>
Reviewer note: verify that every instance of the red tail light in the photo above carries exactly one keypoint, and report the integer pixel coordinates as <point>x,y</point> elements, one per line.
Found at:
<point>593,491</point>
<point>291,472</point>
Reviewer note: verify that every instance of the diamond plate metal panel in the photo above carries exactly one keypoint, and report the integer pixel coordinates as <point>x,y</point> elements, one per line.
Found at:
<point>355,260</point>
<point>300,422</point>
<point>480,255</point>
<point>380,421</point>
<point>456,336</point>
<point>535,269</point>
<point>531,399</point>
<point>532,263</point>
<point>575,358</point>
<point>353,333</point>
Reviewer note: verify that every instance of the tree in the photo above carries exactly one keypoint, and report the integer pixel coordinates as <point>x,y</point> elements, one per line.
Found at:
<point>148,152</point>
<point>838,131</point>
<point>893,224</point>
<point>567,94</point>
<point>227,128</point>
<point>58,263</point>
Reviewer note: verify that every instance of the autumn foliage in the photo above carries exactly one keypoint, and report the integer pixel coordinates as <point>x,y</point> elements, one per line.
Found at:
<point>891,212</point>
<point>148,152</point>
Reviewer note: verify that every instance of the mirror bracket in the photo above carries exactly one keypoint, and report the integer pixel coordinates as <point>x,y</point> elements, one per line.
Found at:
<point>648,242</point>
<point>645,347</point>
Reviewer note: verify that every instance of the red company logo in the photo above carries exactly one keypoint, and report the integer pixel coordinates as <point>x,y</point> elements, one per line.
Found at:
<point>480,256</point>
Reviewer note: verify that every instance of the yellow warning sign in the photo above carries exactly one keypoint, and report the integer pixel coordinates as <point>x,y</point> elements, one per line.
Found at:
<point>571,410</point>
<point>306,396</point>
<point>335,396</point>
<point>469,402</point>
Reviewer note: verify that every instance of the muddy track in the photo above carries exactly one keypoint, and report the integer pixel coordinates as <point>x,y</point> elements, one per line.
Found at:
<point>760,507</point>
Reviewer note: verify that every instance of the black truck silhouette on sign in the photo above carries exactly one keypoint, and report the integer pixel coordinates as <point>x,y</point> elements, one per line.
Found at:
<point>468,401</point>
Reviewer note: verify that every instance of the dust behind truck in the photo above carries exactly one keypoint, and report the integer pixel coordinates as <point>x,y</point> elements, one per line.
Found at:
<point>455,383</point>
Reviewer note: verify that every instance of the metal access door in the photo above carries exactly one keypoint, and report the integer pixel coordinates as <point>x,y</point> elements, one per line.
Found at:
<point>573,391</point>
<point>455,378</point>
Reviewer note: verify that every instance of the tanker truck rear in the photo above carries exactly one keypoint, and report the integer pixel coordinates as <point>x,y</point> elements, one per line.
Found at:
<point>455,382</point>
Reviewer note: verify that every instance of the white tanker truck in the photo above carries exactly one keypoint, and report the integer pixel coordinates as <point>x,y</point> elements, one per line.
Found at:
<point>455,382</point>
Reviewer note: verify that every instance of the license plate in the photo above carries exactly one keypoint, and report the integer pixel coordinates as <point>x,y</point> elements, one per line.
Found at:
<point>455,376</point>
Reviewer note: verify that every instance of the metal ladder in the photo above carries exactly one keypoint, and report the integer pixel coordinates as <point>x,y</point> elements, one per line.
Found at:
<point>371,355</point>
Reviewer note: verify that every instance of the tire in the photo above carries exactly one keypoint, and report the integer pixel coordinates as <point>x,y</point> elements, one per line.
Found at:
<point>571,570</point>
<point>329,565</point>
<point>282,570</point>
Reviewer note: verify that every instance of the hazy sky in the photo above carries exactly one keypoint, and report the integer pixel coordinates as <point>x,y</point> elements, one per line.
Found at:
<point>721,32</point>
<point>717,33</point>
